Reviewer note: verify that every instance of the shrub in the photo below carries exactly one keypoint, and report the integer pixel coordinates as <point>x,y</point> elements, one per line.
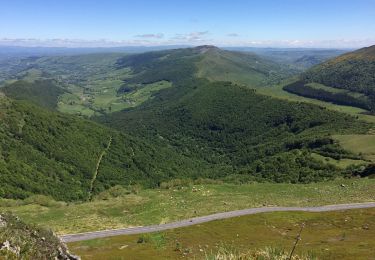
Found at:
<point>43,200</point>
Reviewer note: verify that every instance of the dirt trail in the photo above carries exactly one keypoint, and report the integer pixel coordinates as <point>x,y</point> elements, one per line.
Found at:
<point>97,167</point>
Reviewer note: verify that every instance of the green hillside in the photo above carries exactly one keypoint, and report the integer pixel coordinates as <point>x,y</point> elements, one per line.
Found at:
<point>44,152</point>
<point>253,136</point>
<point>207,62</point>
<point>353,72</point>
<point>169,124</point>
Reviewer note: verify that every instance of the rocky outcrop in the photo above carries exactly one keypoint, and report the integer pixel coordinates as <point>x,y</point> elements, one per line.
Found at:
<point>22,241</point>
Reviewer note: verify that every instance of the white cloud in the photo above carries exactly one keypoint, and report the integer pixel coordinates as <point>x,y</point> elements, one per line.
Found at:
<point>191,37</point>
<point>151,35</point>
<point>233,35</point>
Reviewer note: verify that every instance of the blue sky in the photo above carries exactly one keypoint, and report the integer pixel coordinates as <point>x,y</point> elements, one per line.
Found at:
<point>283,23</point>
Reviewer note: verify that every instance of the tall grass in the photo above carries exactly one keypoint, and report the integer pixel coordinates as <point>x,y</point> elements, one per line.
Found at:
<point>268,253</point>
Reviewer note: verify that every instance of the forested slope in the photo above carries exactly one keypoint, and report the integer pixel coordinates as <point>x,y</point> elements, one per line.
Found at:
<point>41,92</point>
<point>354,71</point>
<point>44,152</point>
<point>256,137</point>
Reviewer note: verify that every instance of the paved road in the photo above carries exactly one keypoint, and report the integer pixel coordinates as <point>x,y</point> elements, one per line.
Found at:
<point>197,220</point>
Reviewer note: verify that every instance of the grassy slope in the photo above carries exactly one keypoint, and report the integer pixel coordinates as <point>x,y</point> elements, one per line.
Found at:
<point>154,206</point>
<point>241,68</point>
<point>331,235</point>
<point>341,163</point>
<point>364,144</point>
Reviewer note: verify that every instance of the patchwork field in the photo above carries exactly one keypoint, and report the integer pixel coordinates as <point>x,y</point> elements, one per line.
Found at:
<point>331,235</point>
<point>118,208</point>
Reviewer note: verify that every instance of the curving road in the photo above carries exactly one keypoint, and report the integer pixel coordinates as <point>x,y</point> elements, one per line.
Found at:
<point>198,220</point>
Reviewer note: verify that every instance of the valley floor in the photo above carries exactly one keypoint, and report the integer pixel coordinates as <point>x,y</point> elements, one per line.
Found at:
<point>112,210</point>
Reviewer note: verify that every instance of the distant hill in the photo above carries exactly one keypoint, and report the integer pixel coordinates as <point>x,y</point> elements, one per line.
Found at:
<point>19,51</point>
<point>352,73</point>
<point>299,58</point>
<point>207,62</point>
<point>308,61</point>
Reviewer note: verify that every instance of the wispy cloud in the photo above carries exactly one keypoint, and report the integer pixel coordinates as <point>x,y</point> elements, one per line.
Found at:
<point>191,37</point>
<point>151,36</point>
<point>233,35</point>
